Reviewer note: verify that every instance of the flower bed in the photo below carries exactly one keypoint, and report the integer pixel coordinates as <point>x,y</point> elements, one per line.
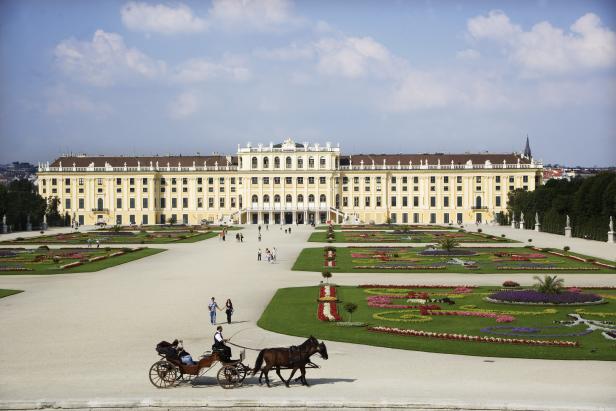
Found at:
<point>452,253</point>
<point>512,331</point>
<point>535,297</point>
<point>14,268</point>
<point>327,310</point>
<point>71,265</point>
<point>384,301</point>
<point>464,337</point>
<point>500,318</point>
<point>410,286</point>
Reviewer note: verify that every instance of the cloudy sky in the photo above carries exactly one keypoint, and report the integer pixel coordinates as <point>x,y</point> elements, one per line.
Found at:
<point>132,77</point>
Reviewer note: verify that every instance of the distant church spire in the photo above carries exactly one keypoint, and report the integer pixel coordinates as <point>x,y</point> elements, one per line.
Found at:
<point>527,152</point>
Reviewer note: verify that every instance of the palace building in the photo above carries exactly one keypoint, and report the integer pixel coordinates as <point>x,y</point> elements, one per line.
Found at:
<point>287,183</point>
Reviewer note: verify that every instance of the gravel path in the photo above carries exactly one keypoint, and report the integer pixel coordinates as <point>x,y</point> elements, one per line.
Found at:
<point>91,337</point>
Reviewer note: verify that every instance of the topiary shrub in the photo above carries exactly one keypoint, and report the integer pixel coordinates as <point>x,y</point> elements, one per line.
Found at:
<point>43,247</point>
<point>326,275</point>
<point>566,248</point>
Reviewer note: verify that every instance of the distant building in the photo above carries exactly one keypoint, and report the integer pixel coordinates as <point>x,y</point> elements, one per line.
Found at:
<point>288,183</point>
<point>17,171</point>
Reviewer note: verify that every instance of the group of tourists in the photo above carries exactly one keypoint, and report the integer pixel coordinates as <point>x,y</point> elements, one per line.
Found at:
<point>270,255</point>
<point>91,242</point>
<point>213,307</point>
<point>239,237</point>
<point>223,234</point>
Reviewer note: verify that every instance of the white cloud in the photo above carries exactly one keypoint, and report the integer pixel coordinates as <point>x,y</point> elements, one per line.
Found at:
<point>546,49</point>
<point>160,18</point>
<point>263,15</point>
<point>354,57</point>
<point>184,105</point>
<point>419,90</point>
<point>468,54</point>
<point>104,60</point>
<point>61,102</point>
<point>199,70</point>
<point>291,52</point>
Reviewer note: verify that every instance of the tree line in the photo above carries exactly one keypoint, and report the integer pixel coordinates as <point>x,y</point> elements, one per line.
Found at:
<point>589,202</point>
<point>19,200</point>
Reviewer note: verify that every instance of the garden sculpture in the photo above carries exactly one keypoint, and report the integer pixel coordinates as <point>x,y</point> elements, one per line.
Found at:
<point>568,221</point>
<point>611,224</point>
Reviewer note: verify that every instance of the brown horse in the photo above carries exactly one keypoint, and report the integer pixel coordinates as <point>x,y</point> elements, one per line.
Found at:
<point>293,358</point>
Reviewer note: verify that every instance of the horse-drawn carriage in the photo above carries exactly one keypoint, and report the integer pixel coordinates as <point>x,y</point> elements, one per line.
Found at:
<point>169,371</point>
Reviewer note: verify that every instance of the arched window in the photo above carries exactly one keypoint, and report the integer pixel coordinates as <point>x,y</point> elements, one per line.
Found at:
<point>265,162</point>
<point>322,198</point>
<point>311,198</point>
<point>310,162</point>
<point>288,198</point>
<point>322,162</point>
<point>289,162</point>
<point>300,163</point>
<point>276,198</point>
<point>254,162</point>
<point>478,202</point>
<point>100,204</point>
<point>276,162</point>
<point>266,198</point>
<point>300,198</point>
<point>255,199</point>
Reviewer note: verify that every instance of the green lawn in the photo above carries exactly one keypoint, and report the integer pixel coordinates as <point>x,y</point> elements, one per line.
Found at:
<point>6,293</point>
<point>121,237</point>
<point>410,260</point>
<point>40,261</point>
<point>293,311</point>
<point>430,236</point>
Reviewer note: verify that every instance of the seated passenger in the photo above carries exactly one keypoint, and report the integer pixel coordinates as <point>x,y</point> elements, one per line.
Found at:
<point>185,357</point>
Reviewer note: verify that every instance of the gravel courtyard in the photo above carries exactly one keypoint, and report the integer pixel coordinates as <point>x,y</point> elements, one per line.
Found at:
<point>80,340</point>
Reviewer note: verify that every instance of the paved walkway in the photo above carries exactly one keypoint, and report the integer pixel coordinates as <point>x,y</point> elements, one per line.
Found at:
<point>88,339</point>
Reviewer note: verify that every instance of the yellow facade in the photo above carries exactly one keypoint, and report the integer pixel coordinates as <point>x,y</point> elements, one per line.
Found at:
<point>287,183</point>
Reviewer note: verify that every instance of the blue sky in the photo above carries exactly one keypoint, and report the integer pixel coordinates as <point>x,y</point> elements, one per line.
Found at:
<point>131,77</point>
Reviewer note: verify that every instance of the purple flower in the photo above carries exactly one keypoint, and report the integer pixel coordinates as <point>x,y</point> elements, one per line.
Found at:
<point>532,296</point>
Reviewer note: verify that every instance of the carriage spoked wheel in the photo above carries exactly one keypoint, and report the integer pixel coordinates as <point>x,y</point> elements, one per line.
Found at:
<point>242,371</point>
<point>163,374</point>
<point>229,377</point>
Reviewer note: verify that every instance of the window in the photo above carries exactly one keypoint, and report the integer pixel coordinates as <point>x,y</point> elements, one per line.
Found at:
<point>345,180</point>
<point>118,203</point>
<point>118,181</point>
<point>478,179</point>
<point>393,218</point>
<point>432,218</point>
<point>254,180</point>
<point>221,180</point>
<point>131,181</point>
<point>210,180</point>
<point>405,201</point>
<point>300,163</point>
<point>67,190</point>
<point>221,202</point>
<point>144,202</point>
<point>498,179</point>
<point>118,219</point>
<point>355,201</point>
<point>432,201</point>
<point>459,179</point>
<point>498,201</point>
<point>446,218</point>
<point>446,180</point>
<point>415,201</point>
<point>322,180</point>
<point>367,201</point>
<point>276,180</point>
<point>163,181</point>
<point>300,180</point>
<point>300,198</point>
<point>276,162</point>
<point>311,198</point>
<point>525,179</point>
<point>288,162</point>
<point>310,162</point>
<point>232,180</point>
<point>144,219</point>
<point>79,181</point>
<point>99,181</point>
<point>67,204</point>
<point>345,201</point>
<point>173,181</point>
<point>498,188</point>
<point>445,201</point>
<point>174,202</point>
<point>266,198</point>
<point>432,179</point>
<point>393,188</point>
<point>415,218</point>
<point>81,203</point>
<point>233,205</point>
<point>99,203</point>
<point>265,162</point>
<point>459,201</point>
<point>378,201</point>
<point>210,202</point>
<point>184,202</point>
<point>310,180</point>
<point>255,199</point>
<point>459,218</point>
<point>276,198</point>
<point>131,202</point>
<point>415,180</point>
<point>322,162</point>
<point>163,202</point>
<point>511,179</point>
<point>367,180</point>
<point>265,180</point>
<point>405,218</point>
<point>393,201</point>
<point>288,180</point>
<point>199,202</point>
<point>199,180</point>
<point>288,199</point>
<point>254,162</point>
<point>478,202</point>
<point>322,198</point>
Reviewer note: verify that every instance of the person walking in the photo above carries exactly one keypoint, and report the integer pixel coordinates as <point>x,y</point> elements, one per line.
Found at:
<point>259,237</point>
<point>213,306</point>
<point>259,228</point>
<point>259,255</point>
<point>289,230</point>
<point>266,227</point>
<point>274,254</point>
<point>241,238</point>
<point>98,244</point>
<point>229,310</point>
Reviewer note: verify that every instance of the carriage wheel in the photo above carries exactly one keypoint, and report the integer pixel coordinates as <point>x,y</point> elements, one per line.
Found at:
<point>242,371</point>
<point>229,377</point>
<point>163,374</point>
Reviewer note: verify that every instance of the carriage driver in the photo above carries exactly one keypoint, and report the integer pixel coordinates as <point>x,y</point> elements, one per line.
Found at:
<point>219,344</point>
